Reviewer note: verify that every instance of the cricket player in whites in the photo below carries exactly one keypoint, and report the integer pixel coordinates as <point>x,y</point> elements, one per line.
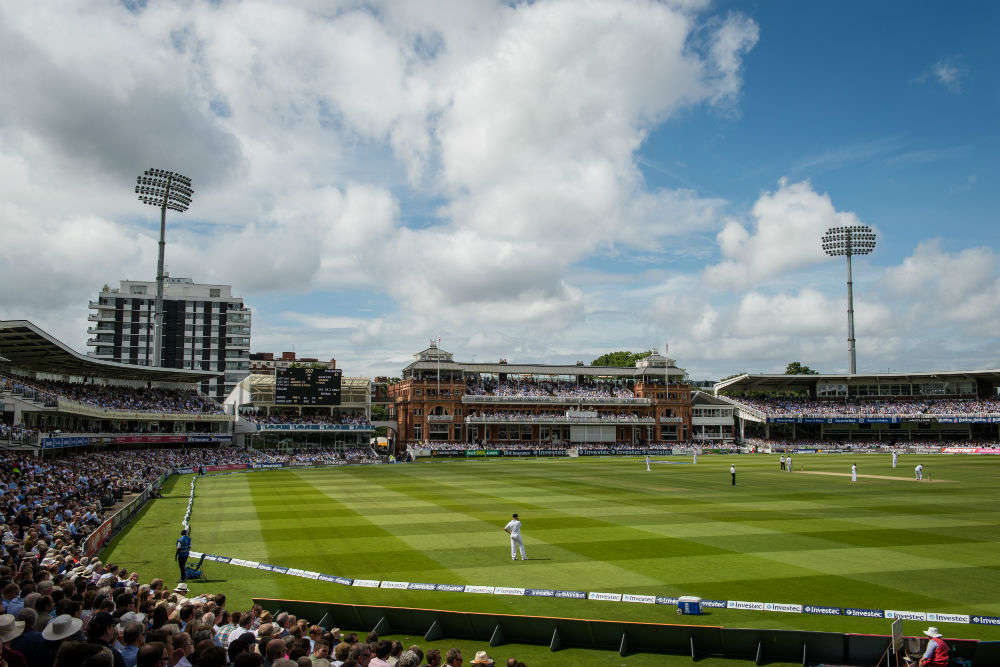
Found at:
<point>918,471</point>
<point>895,458</point>
<point>647,464</point>
<point>854,472</point>
<point>513,528</point>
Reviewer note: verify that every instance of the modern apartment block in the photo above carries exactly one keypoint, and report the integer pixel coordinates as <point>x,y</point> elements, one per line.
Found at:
<point>204,328</point>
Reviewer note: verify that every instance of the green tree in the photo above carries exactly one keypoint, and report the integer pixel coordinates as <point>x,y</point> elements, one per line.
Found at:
<point>379,413</point>
<point>620,359</point>
<point>797,368</point>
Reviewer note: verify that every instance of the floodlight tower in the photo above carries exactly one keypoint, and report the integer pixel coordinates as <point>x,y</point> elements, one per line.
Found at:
<point>848,241</point>
<point>165,189</point>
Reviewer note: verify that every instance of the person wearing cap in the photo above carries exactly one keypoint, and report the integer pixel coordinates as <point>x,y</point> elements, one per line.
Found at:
<point>854,472</point>
<point>102,630</point>
<point>482,659</point>
<point>513,528</point>
<point>182,553</point>
<point>10,629</point>
<point>732,473</point>
<point>937,649</point>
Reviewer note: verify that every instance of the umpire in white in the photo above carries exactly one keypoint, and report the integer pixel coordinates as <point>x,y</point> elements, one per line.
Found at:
<point>513,528</point>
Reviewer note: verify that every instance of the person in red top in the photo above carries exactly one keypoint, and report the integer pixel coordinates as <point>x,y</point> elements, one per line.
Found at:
<point>937,650</point>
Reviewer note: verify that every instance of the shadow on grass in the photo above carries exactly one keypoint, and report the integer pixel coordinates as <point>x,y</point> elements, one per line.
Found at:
<point>168,497</point>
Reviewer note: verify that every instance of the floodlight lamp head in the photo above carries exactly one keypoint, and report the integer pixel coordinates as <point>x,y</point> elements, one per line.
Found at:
<point>848,240</point>
<point>165,189</point>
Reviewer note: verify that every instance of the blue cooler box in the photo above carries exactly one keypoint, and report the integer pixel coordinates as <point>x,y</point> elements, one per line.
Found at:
<point>689,604</point>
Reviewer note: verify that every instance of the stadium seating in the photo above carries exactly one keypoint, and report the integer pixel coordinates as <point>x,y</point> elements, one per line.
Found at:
<point>781,407</point>
<point>109,397</point>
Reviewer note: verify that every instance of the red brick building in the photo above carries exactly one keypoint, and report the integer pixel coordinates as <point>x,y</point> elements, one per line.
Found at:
<point>441,400</point>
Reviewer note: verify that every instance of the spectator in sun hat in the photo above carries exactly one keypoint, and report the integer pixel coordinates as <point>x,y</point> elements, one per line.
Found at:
<point>937,650</point>
<point>482,659</point>
<point>10,629</point>
<point>31,644</point>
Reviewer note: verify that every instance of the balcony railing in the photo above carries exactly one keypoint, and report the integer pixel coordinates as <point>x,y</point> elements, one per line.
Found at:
<point>555,419</point>
<point>670,420</point>
<point>441,418</point>
<point>554,400</point>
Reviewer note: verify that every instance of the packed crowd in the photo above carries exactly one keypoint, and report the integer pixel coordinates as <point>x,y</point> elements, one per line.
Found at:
<point>350,419</point>
<point>886,407</point>
<point>762,444</point>
<point>115,398</point>
<point>541,389</point>
<point>85,613</point>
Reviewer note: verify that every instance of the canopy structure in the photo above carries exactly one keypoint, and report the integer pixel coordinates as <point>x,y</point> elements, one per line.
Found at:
<point>25,346</point>
<point>781,382</point>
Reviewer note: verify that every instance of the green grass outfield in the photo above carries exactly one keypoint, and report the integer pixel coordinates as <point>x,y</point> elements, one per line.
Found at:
<point>606,525</point>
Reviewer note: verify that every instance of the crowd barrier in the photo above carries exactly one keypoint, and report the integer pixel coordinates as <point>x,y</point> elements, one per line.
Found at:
<point>699,641</point>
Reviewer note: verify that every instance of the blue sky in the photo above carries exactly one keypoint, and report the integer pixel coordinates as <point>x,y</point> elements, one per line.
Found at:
<point>552,180</point>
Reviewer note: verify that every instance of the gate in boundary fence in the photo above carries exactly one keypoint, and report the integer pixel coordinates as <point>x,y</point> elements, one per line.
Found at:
<point>698,641</point>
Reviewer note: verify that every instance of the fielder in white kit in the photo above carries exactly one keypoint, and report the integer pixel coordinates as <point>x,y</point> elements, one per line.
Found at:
<point>854,472</point>
<point>895,459</point>
<point>513,528</point>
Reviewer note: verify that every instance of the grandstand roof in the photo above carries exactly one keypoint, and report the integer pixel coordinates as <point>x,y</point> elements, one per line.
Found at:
<point>434,358</point>
<point>541,369</point>
<point>778,381</point>
<point>26,346</point>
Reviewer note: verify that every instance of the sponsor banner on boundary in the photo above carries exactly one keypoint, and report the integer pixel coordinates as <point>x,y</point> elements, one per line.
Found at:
<point>344,581</point>
<point>714,604</point>
<point>609,597</point>
<point>783,608</point>
<point>826,611</point>
<point>507,590</point>
<point>666,599</point>
<point>985,620</point>
<point>399,585</point>
<point>422,587</point>
<point>96,539</point>
<point>540,592</point>
<point>643,599</point>
<point>366,583</point>
<point>906,615</point>
<point>279,569</point>
<point>309,574</point>
<point>948,618</point>
<point>743,604</point>
<point>228,466</point>
<point>571,595</point>
<point>488,590</point>
<point>451,588</point>
<point>265,566</point>
<point>328,578</point>
<point>866,613</point>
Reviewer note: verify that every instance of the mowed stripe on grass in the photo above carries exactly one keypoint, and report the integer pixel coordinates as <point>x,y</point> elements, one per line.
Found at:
<point>608,525</point>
